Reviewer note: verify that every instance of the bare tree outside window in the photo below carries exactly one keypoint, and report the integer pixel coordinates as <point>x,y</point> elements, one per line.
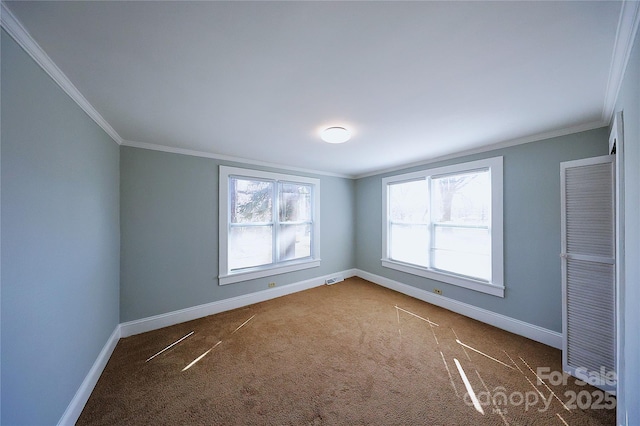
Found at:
<point>253,227</point>
<point>295,220</point>
<point>461,238</point>
<point>449,187</point>
<point>446,223</point>
<point>269,224</point>
<point>442,222</point>
<point>251,200</point>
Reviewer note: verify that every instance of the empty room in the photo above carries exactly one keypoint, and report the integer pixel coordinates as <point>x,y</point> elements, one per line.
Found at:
<point>320,212</point>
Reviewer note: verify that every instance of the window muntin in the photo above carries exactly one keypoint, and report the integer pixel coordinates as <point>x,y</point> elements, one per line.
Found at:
<point>269,224</point>
<point>446,224</point>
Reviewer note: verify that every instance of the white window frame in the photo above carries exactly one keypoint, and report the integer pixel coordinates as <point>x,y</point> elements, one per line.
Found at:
<point>225,275</point>
<point>496,285</point>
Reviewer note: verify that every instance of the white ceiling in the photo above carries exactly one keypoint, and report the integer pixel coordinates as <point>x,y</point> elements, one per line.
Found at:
<point>414,81</point>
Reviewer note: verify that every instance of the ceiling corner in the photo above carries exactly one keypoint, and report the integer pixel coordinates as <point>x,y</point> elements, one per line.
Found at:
<point>625,35</point>
<point>18,32</point>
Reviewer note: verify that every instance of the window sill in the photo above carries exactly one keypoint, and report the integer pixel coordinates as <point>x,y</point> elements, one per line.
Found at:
<point>483,287</point>
<point>266,272</point>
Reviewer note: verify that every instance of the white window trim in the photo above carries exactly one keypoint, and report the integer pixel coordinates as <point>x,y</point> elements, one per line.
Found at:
<point>496,286</point>
<point>226,277</point>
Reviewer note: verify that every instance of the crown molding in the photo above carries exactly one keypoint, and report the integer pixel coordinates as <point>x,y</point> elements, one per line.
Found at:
<point>492,147</point>
<point>18,32</point>
<point>625,35</point>
<point>204,154</point>
<point>627,28</point>
<point>486,148</point>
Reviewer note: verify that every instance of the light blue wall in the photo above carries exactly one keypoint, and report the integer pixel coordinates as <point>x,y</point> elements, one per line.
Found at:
<point>531,228</point>
<point>629,102</point>
<point>169,219</point>
<point>60,242</point>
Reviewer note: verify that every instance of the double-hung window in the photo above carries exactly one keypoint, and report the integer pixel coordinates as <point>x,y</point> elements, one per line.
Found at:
<point>446,224</point>
<point>269,224</point>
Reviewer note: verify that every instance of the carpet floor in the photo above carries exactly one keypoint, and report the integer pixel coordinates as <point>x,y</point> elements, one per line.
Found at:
<point>353,353</point>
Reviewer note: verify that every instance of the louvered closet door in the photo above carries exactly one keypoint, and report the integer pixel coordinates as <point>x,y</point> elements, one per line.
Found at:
<point>588,268</point>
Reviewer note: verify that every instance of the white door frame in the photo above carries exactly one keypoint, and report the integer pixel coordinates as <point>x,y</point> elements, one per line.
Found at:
<point>616,144</point>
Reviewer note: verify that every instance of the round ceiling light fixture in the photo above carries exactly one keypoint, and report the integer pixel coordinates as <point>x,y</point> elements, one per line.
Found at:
<point>335,135</point>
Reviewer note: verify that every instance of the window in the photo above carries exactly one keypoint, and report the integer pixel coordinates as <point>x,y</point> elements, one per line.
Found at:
<point>269,224</point>
<point>446,224</point>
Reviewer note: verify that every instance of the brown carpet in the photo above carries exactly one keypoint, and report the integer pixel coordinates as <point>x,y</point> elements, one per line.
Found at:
<point>349,354</point>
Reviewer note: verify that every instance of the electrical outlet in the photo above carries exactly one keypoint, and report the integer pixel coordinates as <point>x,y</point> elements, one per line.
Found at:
<point>437,291</point>
<point>272,285</point>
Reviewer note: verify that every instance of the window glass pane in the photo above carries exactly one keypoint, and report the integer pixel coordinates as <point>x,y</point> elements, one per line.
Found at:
<point>462,198</point>
<point>295,241</point>
<point>251,200</point>
<point>295,202</point>
<point>409,202</point>
<point>250,246</point>
<point>409,243</point>
<point>446,223</point>
<point>465,251</point>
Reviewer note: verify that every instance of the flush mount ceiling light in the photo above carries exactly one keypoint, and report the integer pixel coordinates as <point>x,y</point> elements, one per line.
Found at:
<point>335,135</point>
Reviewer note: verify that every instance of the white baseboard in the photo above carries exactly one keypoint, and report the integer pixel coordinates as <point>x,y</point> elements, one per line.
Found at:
<point>533,332</point>
<point>75,407</point>
<point>73,411</point>
<point>176,317</point>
